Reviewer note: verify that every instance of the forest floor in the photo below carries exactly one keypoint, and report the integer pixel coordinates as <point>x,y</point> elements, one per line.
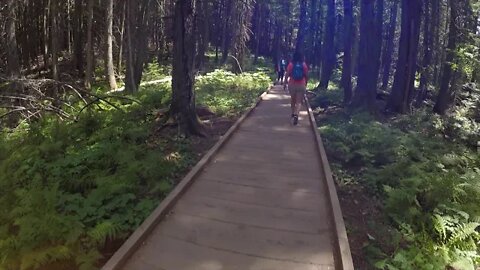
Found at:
<point>359,213</point>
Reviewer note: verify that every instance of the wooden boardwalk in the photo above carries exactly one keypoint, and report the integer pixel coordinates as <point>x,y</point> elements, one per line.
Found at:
<point>261,203</point>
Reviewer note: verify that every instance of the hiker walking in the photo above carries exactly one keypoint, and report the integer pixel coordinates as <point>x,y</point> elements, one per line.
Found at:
<point>281,67</point>
<point>297,77</point>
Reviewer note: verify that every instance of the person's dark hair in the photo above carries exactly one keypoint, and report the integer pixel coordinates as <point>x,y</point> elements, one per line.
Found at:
<point>297,57</point>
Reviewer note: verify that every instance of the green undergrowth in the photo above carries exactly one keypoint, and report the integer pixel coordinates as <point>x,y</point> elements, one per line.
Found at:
<point>154,71</point>
<point>225,93</point>
<point>425,171</point>
<point>68,188</point>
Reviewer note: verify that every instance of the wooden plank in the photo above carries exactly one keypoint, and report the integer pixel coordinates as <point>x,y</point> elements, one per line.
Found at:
<point>299,201</point>
<point>259,140</point>
<point>261,180</point>
<point>260,173</point>
<point>252,241</point>
<point>285,167</point>
<point>253,215</point>
<point>274,158</point>
<point>173,254</point>
<point>264,154</point>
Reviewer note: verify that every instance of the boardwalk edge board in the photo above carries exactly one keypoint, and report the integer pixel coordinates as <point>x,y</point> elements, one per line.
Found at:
<point>343,253</point>
<point>140,234</point>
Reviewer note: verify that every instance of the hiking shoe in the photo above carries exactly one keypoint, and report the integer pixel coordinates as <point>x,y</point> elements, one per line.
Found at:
<point>295,120</point>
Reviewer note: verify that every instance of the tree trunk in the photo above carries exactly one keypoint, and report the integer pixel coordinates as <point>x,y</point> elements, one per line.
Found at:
<point>346,82</point>
<point>183,108</point>
<point>226,36</point>
<point>121,39</point>
<point>54,36</point>
<point>435,28</point>
<point>378,38</point>
<point>317,58</point>
<point>329,57</point>
<point>78,36</point>
<point>444,23</point>
<point>219,27</point>
<point>110,67</point>
<point>356,39</point>
<point>388,49</point>
<point>89,50</point>
<point>69,19</point>
<point>365,92</point>
<point>46,34</point>
<point>446,96</point>
<point>241,17</point>
<point>141,44</point>
<point>299,47</point>
<point>277,39</point>
<point>426,76</point>
<point>312,32</point>
<point>258,28</point>
<point>202,32</point>
<point>13,64</point>
<point>159,32</point>
<point>136,42</point>
<point>130,84</point>
<point>403,85</point>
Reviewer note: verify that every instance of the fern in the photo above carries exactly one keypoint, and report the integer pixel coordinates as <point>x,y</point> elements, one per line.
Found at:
<point>463,232</point>
<point>102,231</point>
<point>440,225</point>
<point>42,257</point>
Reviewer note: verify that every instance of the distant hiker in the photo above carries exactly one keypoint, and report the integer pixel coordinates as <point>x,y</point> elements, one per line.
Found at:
<point>281,67</point>
<point>297,77</point>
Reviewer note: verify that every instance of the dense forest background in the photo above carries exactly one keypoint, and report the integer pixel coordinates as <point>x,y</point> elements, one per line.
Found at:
<point>387,45</point>
<point>88,86</point>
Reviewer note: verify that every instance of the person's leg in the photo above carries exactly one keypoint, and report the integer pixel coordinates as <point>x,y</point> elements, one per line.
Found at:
<point>296,106</point>
<point>299,100</point>
<point>293,98</point>
<point>299,96</point>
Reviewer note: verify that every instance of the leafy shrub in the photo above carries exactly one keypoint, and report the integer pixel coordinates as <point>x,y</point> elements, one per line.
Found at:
<point>228,94</point>
<point>328,97</point>
<point>154,71</point>
<point>464,122</point>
